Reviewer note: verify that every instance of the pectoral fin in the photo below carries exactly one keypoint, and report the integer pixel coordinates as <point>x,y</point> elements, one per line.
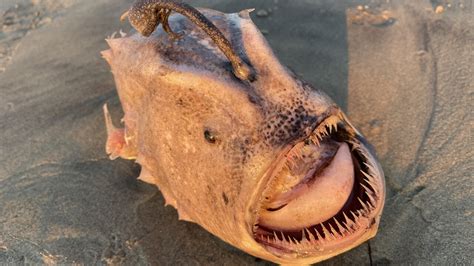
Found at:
<point>117,144</point>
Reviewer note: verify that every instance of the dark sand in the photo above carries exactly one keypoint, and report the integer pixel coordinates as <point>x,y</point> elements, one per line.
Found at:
<point>404,76</point>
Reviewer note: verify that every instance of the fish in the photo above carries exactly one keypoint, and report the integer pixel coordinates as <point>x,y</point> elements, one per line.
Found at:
<point>235,141</point>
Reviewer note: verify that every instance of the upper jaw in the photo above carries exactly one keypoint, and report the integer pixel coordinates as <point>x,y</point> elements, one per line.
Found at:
<point>356,222</point>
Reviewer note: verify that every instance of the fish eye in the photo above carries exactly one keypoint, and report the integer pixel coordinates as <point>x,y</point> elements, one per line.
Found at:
<point>209,136</point>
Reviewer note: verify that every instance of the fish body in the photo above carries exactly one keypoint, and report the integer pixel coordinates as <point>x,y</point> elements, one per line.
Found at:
<point>269,165</point>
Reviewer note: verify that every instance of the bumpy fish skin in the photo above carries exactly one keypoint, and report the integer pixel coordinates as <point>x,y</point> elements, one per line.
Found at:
<point>207,139</point>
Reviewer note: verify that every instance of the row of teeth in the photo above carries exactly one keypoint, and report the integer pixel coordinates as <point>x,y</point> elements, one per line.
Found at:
<point>350,226</point>
<point>326,127</point>
<point>369,177</point>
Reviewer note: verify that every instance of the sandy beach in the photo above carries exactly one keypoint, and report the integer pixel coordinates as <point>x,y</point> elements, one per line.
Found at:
<point>402,70</point>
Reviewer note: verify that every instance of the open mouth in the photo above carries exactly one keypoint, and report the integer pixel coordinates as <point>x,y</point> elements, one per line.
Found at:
<point>325,193</point>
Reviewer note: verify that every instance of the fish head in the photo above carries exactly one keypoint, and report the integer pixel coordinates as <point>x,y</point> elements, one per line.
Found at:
<point>272,166</point>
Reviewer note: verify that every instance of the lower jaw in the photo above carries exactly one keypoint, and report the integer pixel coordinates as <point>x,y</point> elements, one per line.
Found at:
<point>328,247</point>
<point>319,238</point>
<point>310,253</point>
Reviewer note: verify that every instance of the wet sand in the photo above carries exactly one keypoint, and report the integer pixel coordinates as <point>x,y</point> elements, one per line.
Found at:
<point>402,71</point>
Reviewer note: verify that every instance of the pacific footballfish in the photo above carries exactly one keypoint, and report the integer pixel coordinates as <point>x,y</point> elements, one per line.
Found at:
<point>235,141</point>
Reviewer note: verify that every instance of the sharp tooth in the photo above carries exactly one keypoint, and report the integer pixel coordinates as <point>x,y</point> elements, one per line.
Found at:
<point>371,168</point>
<point>332,235</point>
<point>349,228</point>
<point>339,226</point>
<point>371,198</point>
<point>366,188</point>
<point>325,132</point>
<point>357,145</point>
<point>320,238</point>
<point>310,235</point>
<point>283,237</point>
<point>349,223</point>
<point>294,241</point>
<point>304,241</point>
<point>326,232</point>
<point>354,145</point>
<point>315,140</point>
<point>275,237</point>
<point>372,185</point>
<point>371,181</point>
<point>290,241</point>
<point>356,218</point>
<point>369,177</point>
<point>318,134</point>
<point>363,205</point>
<point>334,232</point>
<point>345,217</point>
<point>303,235</point>
<point>369,194</point>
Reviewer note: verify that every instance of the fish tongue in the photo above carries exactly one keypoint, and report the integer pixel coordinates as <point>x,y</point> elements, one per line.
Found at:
<point>318,200</point>
<point>288,183</point>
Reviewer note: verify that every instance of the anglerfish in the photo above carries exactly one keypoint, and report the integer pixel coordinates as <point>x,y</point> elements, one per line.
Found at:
<point>235,141</point>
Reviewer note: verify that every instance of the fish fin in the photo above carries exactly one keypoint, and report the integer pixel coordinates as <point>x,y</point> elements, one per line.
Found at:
<point>116,145</point>
<point>146,177</point>
<point>183,216</point>
<point>169,200</point>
